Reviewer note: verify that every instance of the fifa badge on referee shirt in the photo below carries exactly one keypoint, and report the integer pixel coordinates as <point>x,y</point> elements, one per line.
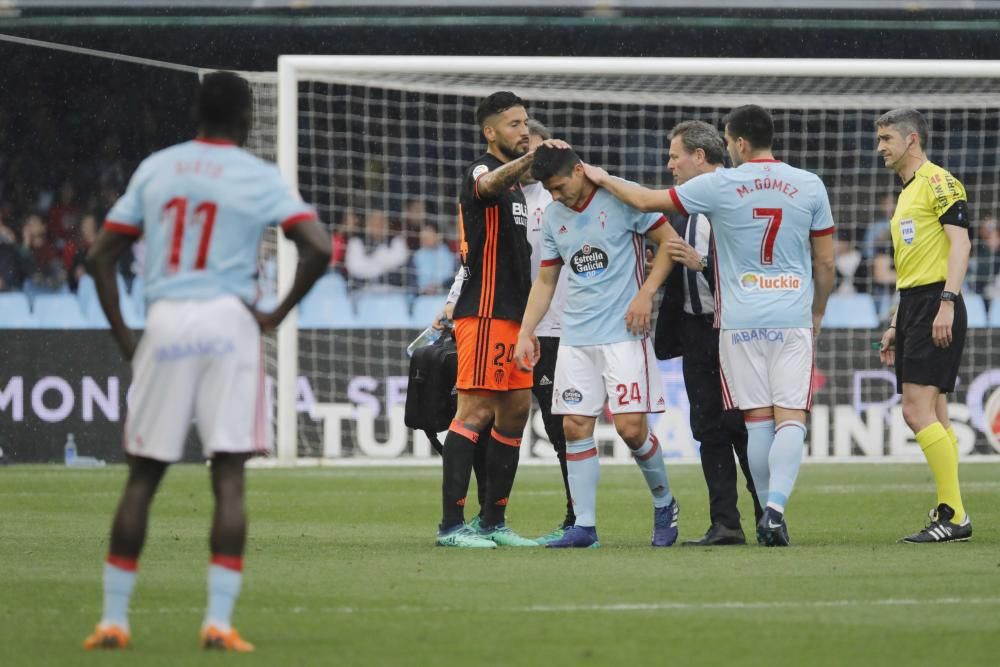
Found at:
<point>908,230</point>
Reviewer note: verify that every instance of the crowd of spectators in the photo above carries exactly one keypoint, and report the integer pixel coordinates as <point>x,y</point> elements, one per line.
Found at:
<point>66,154</point>
<point>377,251</point>
<point>43,248</point>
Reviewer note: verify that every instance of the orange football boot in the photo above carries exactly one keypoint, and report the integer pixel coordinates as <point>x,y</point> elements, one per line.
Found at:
<point>214,638</point>
<point>109,636</point>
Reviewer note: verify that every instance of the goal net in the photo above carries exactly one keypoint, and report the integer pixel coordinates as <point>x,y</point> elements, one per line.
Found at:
<point>379,142</point>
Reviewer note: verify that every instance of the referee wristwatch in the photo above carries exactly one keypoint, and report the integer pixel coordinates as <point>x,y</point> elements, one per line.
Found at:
<point>949,296</point>
<point>704,263</point>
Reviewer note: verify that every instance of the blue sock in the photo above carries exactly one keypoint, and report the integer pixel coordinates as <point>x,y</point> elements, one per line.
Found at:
<point>785,459</point>
<point>119,580</point>
<point>224,582</point>
<point>760,434</point>
<point>584,470</point>
<point>649,458</point>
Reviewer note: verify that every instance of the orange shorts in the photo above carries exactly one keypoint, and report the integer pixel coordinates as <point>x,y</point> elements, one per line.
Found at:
<point>486,355</point>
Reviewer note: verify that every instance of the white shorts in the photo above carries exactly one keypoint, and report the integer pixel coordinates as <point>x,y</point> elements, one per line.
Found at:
<point>765,367</point>
<point>197,360</point>
<point>624,375</point>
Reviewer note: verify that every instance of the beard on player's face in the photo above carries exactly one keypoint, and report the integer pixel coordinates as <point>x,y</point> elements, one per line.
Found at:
<point>513,150</point>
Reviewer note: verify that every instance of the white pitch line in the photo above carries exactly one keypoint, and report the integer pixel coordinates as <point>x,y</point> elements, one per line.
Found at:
<point>623,607</point>
<point>901,486</point>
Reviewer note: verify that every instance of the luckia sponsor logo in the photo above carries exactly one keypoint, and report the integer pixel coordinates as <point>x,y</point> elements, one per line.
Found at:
<point>782,282</point>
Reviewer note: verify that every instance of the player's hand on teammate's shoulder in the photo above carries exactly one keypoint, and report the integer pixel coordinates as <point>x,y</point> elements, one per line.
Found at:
<point>887,349</point>
<point>595,174</point>
<point>638,315</point>
<point>527,351</point>
<point>682,252</point>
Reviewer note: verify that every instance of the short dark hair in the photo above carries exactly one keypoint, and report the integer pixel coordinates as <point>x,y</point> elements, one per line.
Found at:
<point>496,103</point>
<point>537,129</point>
<point>906,120</point>
<point>551,162</point>
<point>697,134</point>
<point>224,99</point>
<point>751,122</point>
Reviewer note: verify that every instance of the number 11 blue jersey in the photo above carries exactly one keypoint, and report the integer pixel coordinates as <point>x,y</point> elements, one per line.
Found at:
<point>763,214</point>
<point>203,206</point>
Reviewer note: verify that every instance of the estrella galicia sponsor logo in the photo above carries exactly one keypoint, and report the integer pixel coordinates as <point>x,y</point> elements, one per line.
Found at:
<point>750,335</point>
<point>783,282</point>
<point>572,396</point>
<point>212,347</point>
<point>589,261</point>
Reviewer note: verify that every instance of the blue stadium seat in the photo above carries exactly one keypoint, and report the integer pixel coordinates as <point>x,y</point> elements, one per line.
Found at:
<point>15,311</point>
<point>426,307</point>
<point>332,284</point>
<point>975,306</point>
<point>32,290</point>
<point>994,320</point>
<point>850,311</point>
<point>86,294</point>
<point>59,311</point>
<point>326,310</point>
<point>93,314</point>
<point>383,310</point>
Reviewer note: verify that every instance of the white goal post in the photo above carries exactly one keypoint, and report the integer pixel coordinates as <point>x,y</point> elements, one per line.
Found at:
<point>617,111</point>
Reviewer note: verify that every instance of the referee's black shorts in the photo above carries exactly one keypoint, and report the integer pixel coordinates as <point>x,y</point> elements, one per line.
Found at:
<point>918,359</point>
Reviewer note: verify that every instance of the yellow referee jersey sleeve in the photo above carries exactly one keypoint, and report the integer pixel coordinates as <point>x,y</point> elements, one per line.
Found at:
<point>920,246</point>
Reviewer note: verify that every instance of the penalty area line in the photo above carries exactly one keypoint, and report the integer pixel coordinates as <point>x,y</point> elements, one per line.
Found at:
<point>622,607</point>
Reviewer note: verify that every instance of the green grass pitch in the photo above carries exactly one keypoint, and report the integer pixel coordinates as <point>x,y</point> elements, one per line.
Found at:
<point>341,570</point>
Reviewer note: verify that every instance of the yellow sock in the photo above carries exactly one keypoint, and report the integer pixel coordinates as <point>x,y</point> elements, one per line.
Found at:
<point>940,453</point>
<point>954,439</point>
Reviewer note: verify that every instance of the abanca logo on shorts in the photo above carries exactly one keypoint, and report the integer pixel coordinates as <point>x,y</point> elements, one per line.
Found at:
<point>783,282</point>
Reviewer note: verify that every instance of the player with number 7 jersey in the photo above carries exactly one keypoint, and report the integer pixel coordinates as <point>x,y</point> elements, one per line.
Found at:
<point>775,271</point>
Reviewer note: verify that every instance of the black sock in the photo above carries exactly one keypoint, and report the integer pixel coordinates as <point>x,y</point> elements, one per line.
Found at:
<point>459,451</point>
<point>570,514</point>
<point>479,467</point>
<point>502,454</point>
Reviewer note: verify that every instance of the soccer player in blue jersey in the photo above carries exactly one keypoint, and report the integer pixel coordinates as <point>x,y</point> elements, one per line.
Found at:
<point>775,271</point>
<point>605,354</point>
<point>202,206</point>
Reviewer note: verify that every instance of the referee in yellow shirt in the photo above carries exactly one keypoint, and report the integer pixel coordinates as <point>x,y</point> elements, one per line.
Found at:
<point>930,240</point>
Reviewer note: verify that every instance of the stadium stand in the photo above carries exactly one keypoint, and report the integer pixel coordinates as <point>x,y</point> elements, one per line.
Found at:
<point>975,306</point>
<point>16,312</point>
<point>59,311</point>
<point>848,311</point>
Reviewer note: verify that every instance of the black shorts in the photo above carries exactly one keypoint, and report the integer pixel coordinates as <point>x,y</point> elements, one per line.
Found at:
<point>918,359</point>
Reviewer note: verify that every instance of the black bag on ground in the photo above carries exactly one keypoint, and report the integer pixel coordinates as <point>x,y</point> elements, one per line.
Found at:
<point>431,399</point>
